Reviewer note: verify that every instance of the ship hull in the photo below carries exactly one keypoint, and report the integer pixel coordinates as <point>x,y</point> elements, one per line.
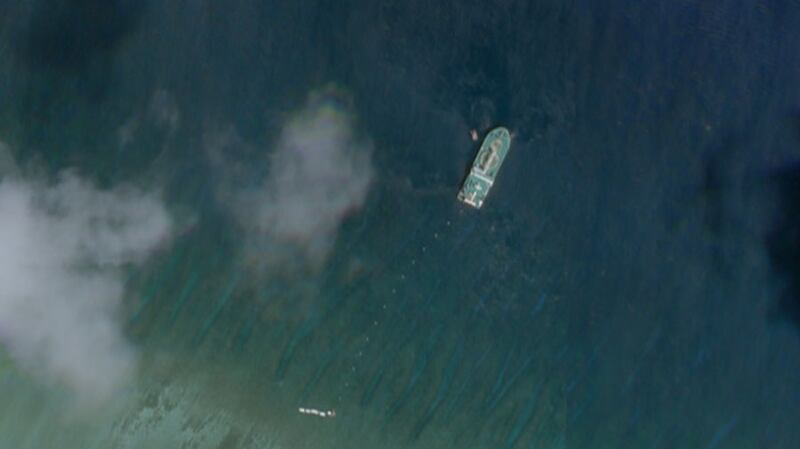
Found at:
<point>485,167</point>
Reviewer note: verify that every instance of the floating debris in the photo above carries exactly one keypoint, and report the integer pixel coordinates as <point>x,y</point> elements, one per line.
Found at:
<point>315,412</point>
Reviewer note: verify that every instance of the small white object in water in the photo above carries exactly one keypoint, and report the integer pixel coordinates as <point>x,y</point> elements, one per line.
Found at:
<point>320,413</point>
<point>474,134</point>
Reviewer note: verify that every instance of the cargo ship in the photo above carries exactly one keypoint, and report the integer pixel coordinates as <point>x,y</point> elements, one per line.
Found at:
<point>485,167</point>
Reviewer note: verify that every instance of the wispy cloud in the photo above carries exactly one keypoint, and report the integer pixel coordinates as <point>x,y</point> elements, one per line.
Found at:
<point>64,247</point>
<point>319,171</point>
<point>162,116</point>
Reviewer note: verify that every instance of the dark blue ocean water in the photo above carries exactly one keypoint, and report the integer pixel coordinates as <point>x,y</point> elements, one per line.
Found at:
<point>632,280</point>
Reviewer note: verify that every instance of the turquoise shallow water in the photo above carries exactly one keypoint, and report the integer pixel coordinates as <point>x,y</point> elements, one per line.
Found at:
<point>616,290</point>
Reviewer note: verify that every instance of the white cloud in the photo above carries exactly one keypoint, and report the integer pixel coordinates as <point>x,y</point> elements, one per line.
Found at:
<point>319,172</point>
<point>64,247</point>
